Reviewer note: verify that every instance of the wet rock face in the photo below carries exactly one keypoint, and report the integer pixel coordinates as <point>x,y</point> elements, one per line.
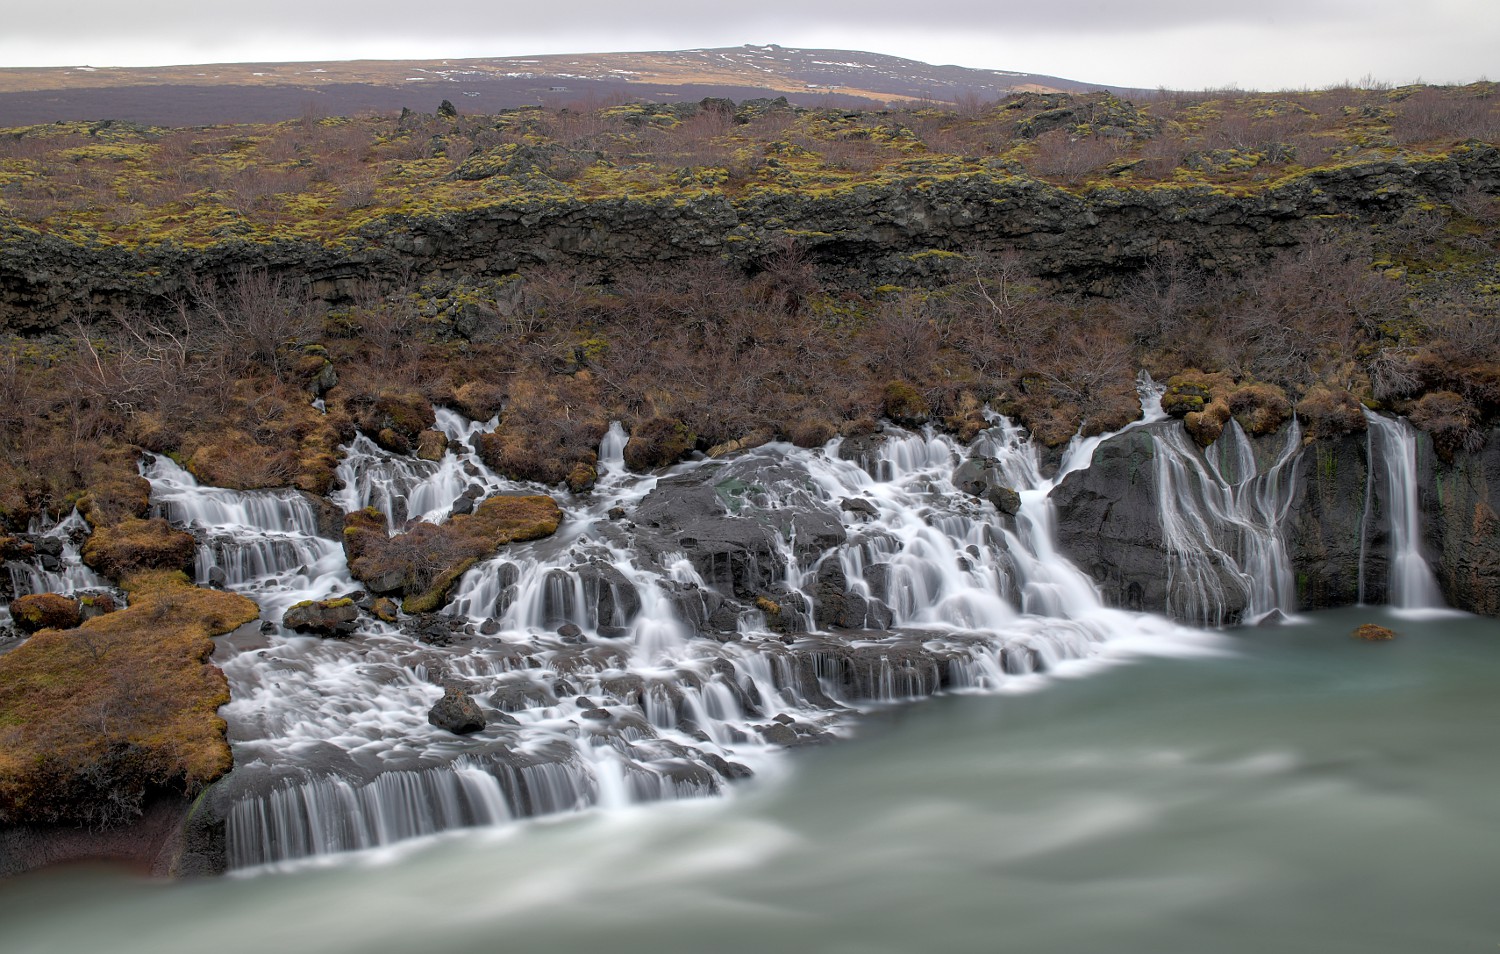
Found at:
<point>1461,516</point>
<point>1108,521</point>
<point>1336,527</point>
<point>736,522</point>
<point>1326,530</point>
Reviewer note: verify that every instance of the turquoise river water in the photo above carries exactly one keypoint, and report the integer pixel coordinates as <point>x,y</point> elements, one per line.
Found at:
<point>1297,790</point>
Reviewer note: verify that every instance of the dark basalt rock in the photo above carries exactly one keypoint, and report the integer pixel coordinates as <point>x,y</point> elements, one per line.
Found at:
<point>731,521</point>
<point>457,712</point>
<point>982,477</point>
<point>1107,521</point>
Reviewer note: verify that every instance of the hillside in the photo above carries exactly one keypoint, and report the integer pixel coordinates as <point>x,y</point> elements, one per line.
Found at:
<point>260,92</point>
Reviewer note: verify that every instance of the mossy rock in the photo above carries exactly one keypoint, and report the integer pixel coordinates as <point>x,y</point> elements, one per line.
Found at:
<point>395,418</point>
<point>385,610</point>
<point>432,445</point>
<point>424,563</point>
<point>322,617</point>
<point>582,477</point>
<point>904,405</point>
<point>136,545</point>
<point>1260,409</point>
<point>38,611</point>
<point>93,720</point>
<point>1330,412</point>
<point>658,442</point>
<point>1373,633</point>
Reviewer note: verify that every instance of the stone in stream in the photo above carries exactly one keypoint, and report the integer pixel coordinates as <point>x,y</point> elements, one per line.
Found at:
<point>457,712</point>
<point>322,617</point>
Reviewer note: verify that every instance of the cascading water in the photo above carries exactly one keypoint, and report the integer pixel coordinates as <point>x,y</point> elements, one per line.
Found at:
<point>677,631</point>
<point>1222,519</point>
<point>55,567</point>
<point>1392,452</point>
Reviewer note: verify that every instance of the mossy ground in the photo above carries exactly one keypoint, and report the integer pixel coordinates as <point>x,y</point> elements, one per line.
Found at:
<point>322,180</point>
<point>92,720</point>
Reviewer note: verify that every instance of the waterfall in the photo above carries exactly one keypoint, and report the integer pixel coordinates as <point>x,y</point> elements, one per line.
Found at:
<point>1221,520</point>
<point>1391,446</point>
<point>617,662</point>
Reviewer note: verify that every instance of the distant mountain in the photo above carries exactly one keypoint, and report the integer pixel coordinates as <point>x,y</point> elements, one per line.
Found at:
<point>256,92</point>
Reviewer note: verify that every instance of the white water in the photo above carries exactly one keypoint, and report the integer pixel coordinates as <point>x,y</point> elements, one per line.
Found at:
<point>1222,518</point>
<point>1392,453</point>
<point>332,745</point>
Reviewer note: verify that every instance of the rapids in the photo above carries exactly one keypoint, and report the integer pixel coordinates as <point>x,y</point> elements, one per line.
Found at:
<point>684,629</point>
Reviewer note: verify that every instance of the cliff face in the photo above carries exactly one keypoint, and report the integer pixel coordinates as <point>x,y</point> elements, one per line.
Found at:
<point>1336,527</point>
<point>1461,527</point>
<point>862,236</point>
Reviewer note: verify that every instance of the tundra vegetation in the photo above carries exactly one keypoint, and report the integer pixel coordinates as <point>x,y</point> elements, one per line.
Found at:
<point>706,356</point>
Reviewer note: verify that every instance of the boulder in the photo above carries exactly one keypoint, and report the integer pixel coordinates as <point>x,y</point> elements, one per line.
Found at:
<point>322,617</point>
<point>457,712</point>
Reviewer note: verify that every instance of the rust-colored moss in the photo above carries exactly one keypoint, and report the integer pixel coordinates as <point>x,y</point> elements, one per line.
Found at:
<point>423,563</point>
<point>93,719</point>
<point>1373,633</point>
<point>134,545</point>
<point>44,611</point>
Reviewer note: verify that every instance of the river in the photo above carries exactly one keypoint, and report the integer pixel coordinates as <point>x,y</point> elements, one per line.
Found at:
<point>1292,790</point>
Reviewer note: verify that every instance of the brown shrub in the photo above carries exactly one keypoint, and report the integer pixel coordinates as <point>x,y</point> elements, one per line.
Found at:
<point>1260,408</point>
<point>234,460</point>
<point>659,442</point>
<point>1450,420</point>
<point>136,545</point>
<point>45,611</point>
<point>1329,413</point>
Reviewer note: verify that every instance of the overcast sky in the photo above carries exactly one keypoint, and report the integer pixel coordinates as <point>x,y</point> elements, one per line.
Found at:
<point>1262,44</point>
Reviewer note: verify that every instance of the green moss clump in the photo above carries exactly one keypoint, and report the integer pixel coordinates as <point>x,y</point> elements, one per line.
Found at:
<point>903,405</point>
